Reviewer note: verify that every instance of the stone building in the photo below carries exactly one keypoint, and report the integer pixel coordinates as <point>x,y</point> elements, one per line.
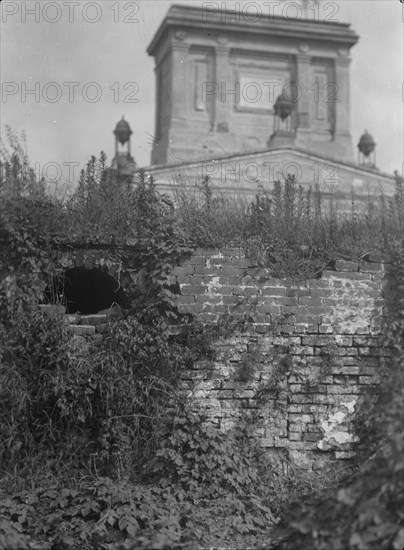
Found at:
<point>246,98</point>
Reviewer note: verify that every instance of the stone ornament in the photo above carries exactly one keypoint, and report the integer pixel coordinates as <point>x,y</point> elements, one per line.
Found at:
<point>180,35</point>
<point>303,47</point>
<point>222,39</point>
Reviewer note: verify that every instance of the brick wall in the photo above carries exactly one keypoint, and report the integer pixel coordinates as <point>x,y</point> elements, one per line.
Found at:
<point>299,362</point>
<point>302,360</point>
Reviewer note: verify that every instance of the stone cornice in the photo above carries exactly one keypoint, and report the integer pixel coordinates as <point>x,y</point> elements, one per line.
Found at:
<point>297,29</point>
<point>296,150</point>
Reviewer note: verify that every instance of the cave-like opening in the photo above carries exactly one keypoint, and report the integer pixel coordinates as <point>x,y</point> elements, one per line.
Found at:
<point>86,291</point>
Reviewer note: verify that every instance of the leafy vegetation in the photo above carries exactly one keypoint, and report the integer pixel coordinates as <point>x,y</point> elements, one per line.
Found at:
<point>294,231</point>
<point>99,448</point>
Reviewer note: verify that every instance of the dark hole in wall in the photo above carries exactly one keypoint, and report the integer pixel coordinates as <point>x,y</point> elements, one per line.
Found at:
<point>86,291</point>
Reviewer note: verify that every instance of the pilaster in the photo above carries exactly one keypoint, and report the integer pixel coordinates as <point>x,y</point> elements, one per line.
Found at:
<point>342,106</point>
<point>303,71</point>
<point>226,91</point>
<point>179,55</point>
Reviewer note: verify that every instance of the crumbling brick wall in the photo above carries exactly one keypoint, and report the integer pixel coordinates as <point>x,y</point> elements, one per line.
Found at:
<point>301,359</point>
<point>307,351</point>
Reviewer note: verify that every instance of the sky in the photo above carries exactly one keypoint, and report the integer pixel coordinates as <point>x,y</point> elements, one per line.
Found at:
<point>87,62</point>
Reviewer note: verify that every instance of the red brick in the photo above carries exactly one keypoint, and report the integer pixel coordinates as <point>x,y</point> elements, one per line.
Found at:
<point>301,350</point>
<point>344,265</point>
<point>308,319</point>
<point>375,352</point>
<point>367,267</point>
<point>214,308</point>
<point>208,299</point>
<point>360,276</point>
<point>212,271</point>
<point>273,291</point>
<point>188,299</point>
<point>232,271</point>
<point>354,390</point>
<point>295,427</point>
<point>269,310</point>
<point>322,292</point>
<point>319,284</point>
<point>246,291</point>
<point>236,281</point>
<point>196,279</point>
<point>287,329</point>
<point>231,299</point>
<point>295,436</point>
<point>197,260</point>
<point>378,258</point>
<point>311,436</point>
<point>223,290</point>
<point>368,380</point>
<point>192,289</point>
<point>343,340</point>
<point>310,301</point>
<point>317,340</point>
<point>365,341</point>
<point>183,270</point>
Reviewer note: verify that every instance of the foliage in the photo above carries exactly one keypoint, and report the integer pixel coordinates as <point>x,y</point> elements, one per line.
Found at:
<point>97,514</point>
<point>294,231</point>
<point>205,490</point>
<point>108,453</point>
<point>135,209</point>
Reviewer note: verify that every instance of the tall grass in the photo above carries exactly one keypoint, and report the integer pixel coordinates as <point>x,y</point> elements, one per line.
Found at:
<point>291,230</point>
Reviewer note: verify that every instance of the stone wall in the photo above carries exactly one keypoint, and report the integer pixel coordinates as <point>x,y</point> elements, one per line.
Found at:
<point>303,356</point>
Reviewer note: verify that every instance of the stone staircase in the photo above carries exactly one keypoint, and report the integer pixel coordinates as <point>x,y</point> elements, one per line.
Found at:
<point>93,325</point>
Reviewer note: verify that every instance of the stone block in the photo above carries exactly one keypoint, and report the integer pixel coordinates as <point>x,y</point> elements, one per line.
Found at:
<point>52,310</point>
<point>73,319</point>
<point>93,319</point>
<point>83,329</point>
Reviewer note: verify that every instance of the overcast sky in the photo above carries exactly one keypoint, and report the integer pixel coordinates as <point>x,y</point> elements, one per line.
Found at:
<point>111,52</point>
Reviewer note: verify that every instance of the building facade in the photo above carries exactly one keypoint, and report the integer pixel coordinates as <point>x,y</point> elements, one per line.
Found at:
<point>246,99</point>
